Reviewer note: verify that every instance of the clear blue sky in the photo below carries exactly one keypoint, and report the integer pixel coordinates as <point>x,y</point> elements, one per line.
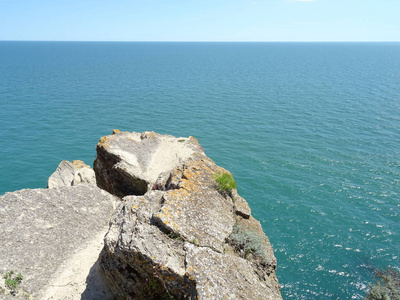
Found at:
<point>200,20</point>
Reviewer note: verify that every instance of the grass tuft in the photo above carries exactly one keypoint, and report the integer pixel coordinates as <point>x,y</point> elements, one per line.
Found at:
<point>225,182</point>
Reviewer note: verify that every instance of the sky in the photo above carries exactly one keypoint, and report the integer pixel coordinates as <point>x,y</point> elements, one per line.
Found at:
<point>200,20</point>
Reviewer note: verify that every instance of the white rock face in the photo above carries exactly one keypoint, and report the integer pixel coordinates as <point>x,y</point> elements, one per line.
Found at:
<point>71,173</point>
<point>129,163</point>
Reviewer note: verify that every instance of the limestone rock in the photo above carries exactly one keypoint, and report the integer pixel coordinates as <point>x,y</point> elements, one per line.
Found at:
<point>219,276</point>
<point>241,206</point>
<point>178,237</point>
<point>139,260</point>
<point>196,211</point>
<point>127,163</point>
<point>41,229</point>
<point>71,173</point>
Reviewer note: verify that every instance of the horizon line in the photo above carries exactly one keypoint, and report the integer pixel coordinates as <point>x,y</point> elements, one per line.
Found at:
<point>126,41</point>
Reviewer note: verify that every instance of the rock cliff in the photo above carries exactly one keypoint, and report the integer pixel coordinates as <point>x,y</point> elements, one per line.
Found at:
<point>175,235</point>
<point>173,232</point>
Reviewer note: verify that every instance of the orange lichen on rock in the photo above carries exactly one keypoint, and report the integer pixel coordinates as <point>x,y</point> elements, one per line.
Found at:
<point>104,141</point>
<point>79,164</point>
<point>179,233</point>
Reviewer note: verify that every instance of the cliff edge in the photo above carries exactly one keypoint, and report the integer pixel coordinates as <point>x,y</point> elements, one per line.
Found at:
<point>171,230</point>
<point>176,234</point>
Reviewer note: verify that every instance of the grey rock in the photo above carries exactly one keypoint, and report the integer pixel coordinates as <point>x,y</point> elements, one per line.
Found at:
<point>220,276</point>
<point>71,173</point>
<point>178,236</point>
<point>196,211</point>
<point>139,260</point>
<point>173,235</point>
<point>128,163</point>
<point>41,228</point>
<point>241,206</point>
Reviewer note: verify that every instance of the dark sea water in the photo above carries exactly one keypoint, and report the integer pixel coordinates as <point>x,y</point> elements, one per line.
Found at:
<point>311,132</point>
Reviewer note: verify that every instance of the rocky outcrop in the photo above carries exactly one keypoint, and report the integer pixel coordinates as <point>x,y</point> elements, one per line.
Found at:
<point>41,229</point>
<point>174,234</point>
<point>71,173</point>
<point>129,163</point>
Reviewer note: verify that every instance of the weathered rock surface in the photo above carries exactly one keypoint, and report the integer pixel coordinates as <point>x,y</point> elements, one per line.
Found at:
<point>71,173</point>
<point>226,276</point>
<point>128,163</point>
<point>175,236</point>
<point>41,229</point>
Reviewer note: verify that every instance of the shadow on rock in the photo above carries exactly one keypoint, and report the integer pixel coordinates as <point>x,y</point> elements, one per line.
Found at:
<point>96,287</point>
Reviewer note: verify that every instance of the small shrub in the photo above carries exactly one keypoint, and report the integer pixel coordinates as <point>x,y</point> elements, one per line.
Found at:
<point>248,242</point>
<point>225,182</point>
<point>12,282</point>
<point>387,286</point>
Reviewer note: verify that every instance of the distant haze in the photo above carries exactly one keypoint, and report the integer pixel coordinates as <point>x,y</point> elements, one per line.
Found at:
<point>221,20</point>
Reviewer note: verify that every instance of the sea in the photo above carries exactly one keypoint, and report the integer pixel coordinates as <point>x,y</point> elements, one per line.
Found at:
<point>311,132</point>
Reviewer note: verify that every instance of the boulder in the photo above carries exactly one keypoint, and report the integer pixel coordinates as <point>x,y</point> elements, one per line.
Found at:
<point>71,173</point>
<point>129,163</point>
<point>42,231</point>
<point>175,235</point>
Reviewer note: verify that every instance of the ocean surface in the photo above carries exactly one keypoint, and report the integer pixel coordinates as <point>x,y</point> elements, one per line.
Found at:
<point>311,132</point>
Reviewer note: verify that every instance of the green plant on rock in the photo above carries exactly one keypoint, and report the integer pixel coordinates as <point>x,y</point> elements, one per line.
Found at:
<point>225,182</point>
<point>12,282</point>
<point>387,287</point>
<point>174,236</point>
<point>248,242</point>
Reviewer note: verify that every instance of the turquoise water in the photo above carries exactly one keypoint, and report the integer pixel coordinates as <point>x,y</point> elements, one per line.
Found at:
<point>311,132</point>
